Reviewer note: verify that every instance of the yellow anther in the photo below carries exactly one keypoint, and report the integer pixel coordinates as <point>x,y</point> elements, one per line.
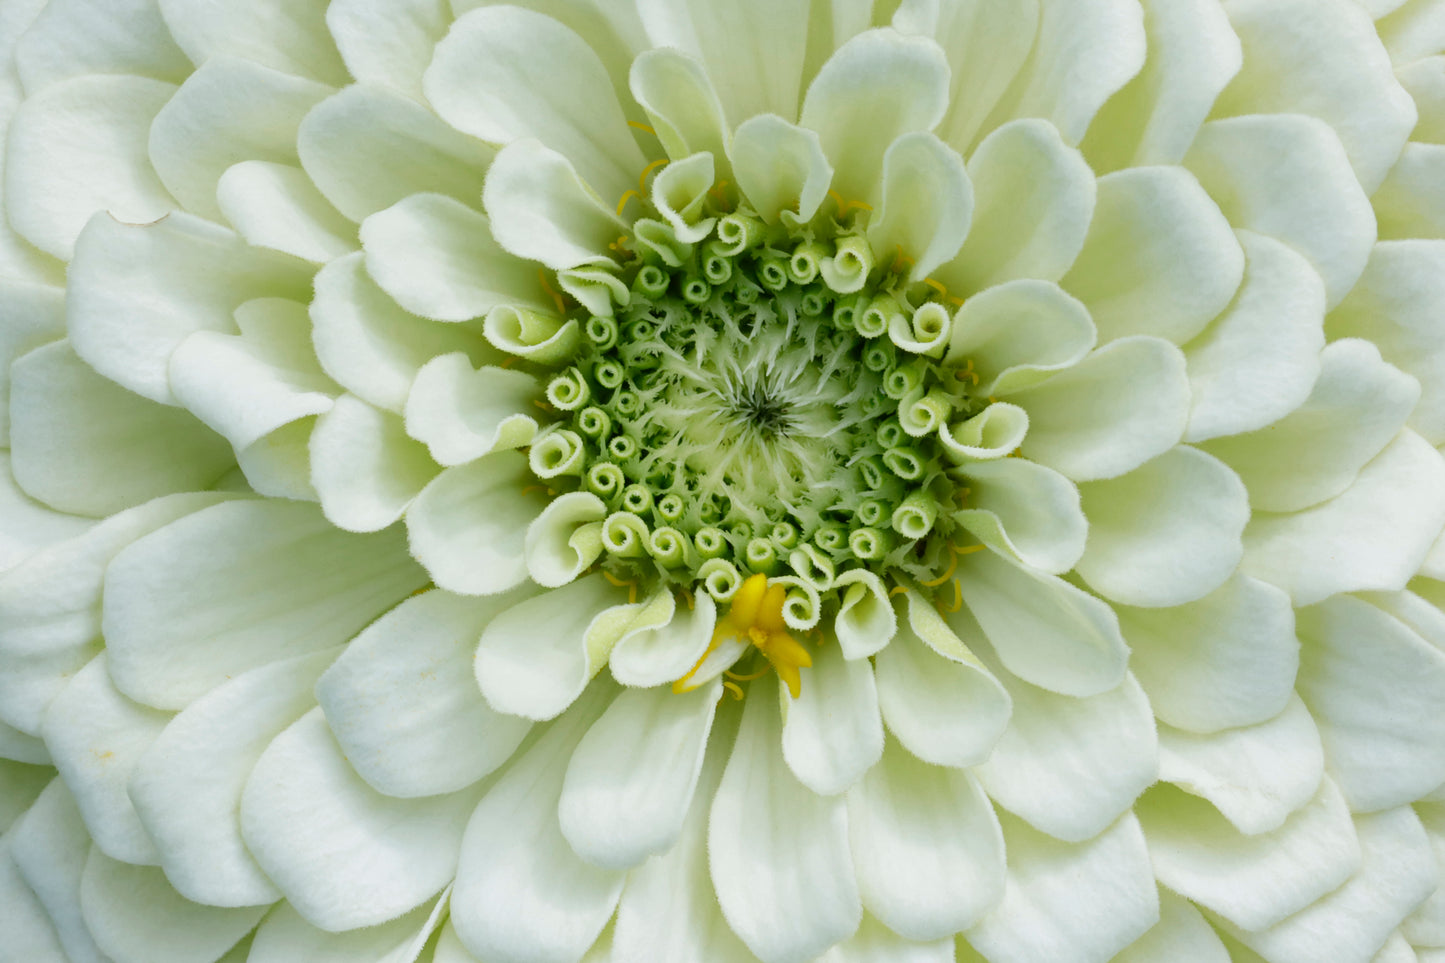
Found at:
<point>735,690</point>
<point>957,598</point>
<point>756,615</point>
<point>739,677</point>
<point>937,286</point>
<point>956,301</point>
<point>642,127</point>
<point>844,205</point>
<point>952,567</point>
<point>622,204</point>
<point>968,549</point>
<point>898,590</point>
<point>619,245</point>
<point>556,298</point>
<point>900,259</point>
<point>534,488</point>
<point>642,178</point>
<point>630,586</point>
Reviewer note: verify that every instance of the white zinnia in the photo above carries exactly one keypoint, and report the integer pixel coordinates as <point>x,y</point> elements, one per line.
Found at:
<point>401,394</point>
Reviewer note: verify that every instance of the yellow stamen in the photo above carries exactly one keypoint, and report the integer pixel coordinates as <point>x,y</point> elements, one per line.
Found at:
<point>844,205</point>
<point>899,260</point>
<point>718,193</point>
<point>642,127</point>
<point>642,178</point>
<point>952,567</point>
<point>942,291</point>
<point>735,690</point>
<point>898,590</point>
<point>556,298</point>
<point>630,586</point>
<point>534,488</point>
<point>619,245</point>
<point>756,615</point>
<point>957,598</point>
<point>968,549</point>
<point>622,204</point>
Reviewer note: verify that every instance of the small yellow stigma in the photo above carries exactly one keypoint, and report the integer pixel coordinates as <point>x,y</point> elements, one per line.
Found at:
<point>756,614</point>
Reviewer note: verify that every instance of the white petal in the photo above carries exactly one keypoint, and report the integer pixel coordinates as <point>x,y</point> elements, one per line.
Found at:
<point>187,786</point>
<point>469,524</point>
<point>1258,360</point>
<point>50,846</point>
<point>833,733</point>
<point>1397,874</point>
<point>437,258</point>
<point>631,779</point>
<point>76,38</point>
<point>1166,533</point>
<point>279,464</point>
<point>873,88</point>
<point>865,622</point>
<point>1035,201</point>
<point>369,344</point>
<point>1384,741</point>
<point>29,526</point>
<point>683,107</point>
<point>462,413</point>
<point>34,314</point>
<point>1019,332</point>
<point>31,761</point>
<point>1389,308</point>
<point>535,658</point>
<point>1160,258</point>
<point>1116,409</point>
<point>542,211</point>
<point>1426,925</point>
<point>404,705</point>
<point>81,444</point>
<point>780,166</point>
<point>1084,52</point>
<point>1410,203</point>
<point>276,206</point>
<point>937,698</point>
<point>1321,59</point>
<point>284,936</point>
<point>126,907</point>
<point>366,149</point>
<point>226,112</point>
<point>344,855</point>
<point>1255,776</point>
<point>1045,630</point>
<point>365,467</point>
<point>284,34</point>
<point>653,653</point>
<point>136,292</point>
<point>778,852</point>
<point>505,73</point>
<point>1374,535</point>
<point>926,846</point>
<point>388,44</point>
<point>1287,177</point>
<point>876,943</point>
<point>565,539</point>
<point>96,735</point>
<point>1357,406</point>
<point>23,918</point>
<point>1226,660</point>
<point>1070,901</point>
<point>1193,54</point>
<point>173,623</point>
<point>1098,752</point>
<point>926,203</point>
<point>50,607</point>
<point>521,892</point>
<point>78,147</point>
<point>1181,934</point>
<point>1025,510</point>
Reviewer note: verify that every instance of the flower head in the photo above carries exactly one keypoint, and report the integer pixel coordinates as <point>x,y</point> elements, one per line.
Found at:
<point>692,481</point>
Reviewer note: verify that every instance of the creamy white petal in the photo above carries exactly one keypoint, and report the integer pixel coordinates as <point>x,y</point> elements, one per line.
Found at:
<point>678,94</point>
<point>1182,934</point>
<point>521,892</point>
<point>927,848</point>
<point>1322,58</point>
<point>1098,752</point>
<point>1411,203</point>
<point>462,413</point>
<point>80,146</point>
<point>535,658</point>
<point>437,258</point>
<point>23,918</point>
<point>630,781</point>
<point>469,524</point>
<point>135,292</point>
<point>126,907</point>
<point>288,35</point>
<point>833,733</point>
<point>1425,80</point>
<point>925,204</point>
<point>277,206</point>
<point>1426,925</point>
<point>344,855</point>
<point>29,525</point>
<point>388,44</point>
<point>565,539</point>
<point>1226,660</point>
<point>1121,406</point>
<point>1255,776</point>
<point>76,38</point>
<point>1391,308</point>
<point>651,654</point>
<point>1160,259</point>
<point>365,467</point>
<point>404,705</point>
<point>1374,535</point>
<point>1074,901</point>
<point>878,85</point>
<point>505,73</point>
<point>31,760</point>
<point>1036,198</point>
<point>1384,741</point>
<point>30,315</point>
<point>1044,629</point>
<point>778,852</point>
<point>187,786</point>
<point>181,618</point>
<point>1257,362</point>
<point>1019,332</point>
<point>369,344</point>
<point>876,943</point>
<point>1287,177</point>
<point>1025,510</point>
<point>367,148</point>
<point>542,211</point>
<point>1166,533</point>
<point>226,112</point>
<point>865,622</point>
<point>284,937</point>
<point>50,846</point>
<point>937,698</point>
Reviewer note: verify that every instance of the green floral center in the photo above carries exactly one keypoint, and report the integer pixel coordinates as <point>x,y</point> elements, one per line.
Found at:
<point>765,402</point>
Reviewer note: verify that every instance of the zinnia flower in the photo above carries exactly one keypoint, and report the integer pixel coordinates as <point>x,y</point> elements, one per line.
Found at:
<point>711,481</point>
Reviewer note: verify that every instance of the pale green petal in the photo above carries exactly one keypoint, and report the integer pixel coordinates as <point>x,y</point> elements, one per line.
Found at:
<point>287,35</point>
<point>678,95</point>
<point>277,206</point>
<point>388,43</point>
<point>1017,333</point>
<point>833,732</point>
<point>924,206</point>
<point>77,38</point>
<point>461,413</point>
